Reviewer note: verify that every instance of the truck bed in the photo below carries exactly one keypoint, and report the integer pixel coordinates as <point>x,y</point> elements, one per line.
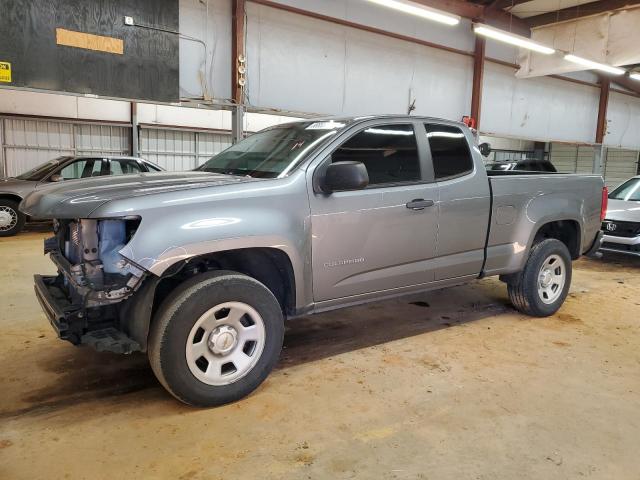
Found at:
<point>519,202</point>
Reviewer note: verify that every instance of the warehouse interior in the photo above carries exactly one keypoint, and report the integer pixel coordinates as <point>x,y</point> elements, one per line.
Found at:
<point>452,383</point>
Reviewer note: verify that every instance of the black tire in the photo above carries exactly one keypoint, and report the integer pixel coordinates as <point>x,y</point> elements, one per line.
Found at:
<point>11,206</point>
<point>177,316</point>
<point>523,289</point>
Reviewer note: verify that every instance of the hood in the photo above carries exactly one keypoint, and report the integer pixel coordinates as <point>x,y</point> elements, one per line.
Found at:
<point>623,211</point>
<point>16,186</point>
<point>78,198</point>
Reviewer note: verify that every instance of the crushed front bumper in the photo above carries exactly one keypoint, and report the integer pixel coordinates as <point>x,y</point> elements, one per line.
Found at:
<point>74,323</point>
<point>56,306</point>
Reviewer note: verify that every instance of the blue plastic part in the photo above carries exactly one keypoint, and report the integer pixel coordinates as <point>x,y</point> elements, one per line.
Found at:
<point>112,237</point>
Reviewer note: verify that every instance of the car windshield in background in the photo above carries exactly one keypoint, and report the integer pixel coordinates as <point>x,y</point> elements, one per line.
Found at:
<point>499,166</point>
<point>522,165</point>
<point>274,152</point>
<point>629,191</point>
<point>41,171</point>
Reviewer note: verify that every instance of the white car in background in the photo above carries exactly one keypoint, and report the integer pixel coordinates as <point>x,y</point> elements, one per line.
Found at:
<point>621,225</point>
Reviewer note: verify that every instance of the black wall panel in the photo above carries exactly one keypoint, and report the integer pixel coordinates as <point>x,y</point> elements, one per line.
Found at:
<point>148,69</point>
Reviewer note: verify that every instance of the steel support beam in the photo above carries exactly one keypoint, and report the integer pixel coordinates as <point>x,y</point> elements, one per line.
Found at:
<point>579,11</point>
<point>478,74</point>
<point>238,56</point>
<point>492,16</point>
<point>502,4</point>
<point>135,142</point>
<point>237,123</point>
<point>601,126</point>
<point>599,158</point>
<point>472,11</point>
<point>627,83</point>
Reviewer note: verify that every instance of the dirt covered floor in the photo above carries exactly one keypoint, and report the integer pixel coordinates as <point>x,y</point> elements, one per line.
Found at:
<point>448,385</point>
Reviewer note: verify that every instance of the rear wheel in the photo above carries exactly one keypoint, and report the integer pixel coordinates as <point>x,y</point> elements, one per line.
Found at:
<point>216,338</point>
<point>11,219</point>
<point>542,286</point>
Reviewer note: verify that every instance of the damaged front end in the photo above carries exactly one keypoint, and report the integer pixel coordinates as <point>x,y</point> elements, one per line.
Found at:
<point>88,302</point>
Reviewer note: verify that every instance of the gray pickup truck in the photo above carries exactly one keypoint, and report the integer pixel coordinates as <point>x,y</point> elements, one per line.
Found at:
<point>201,269</point>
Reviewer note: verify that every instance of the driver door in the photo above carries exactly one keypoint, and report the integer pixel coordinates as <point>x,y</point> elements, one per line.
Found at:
<point>372,240</point>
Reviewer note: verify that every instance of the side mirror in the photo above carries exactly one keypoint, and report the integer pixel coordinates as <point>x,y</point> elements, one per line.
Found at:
<point>56,178</point>
<point>345,176</point>
<point>485,149</point>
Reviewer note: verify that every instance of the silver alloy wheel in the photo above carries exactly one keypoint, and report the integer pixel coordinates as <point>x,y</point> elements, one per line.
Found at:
<point>551,278</point>
<point>8,218</point>
<point>225,343</point>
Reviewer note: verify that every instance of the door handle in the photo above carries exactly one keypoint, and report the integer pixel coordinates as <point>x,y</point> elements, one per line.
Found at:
<point>419,204</point>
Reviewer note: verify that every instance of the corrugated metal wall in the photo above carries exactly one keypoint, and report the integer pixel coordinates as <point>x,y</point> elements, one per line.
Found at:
<point>619,165</point>
<point>572,158</point>
<point>180,149</point>
<point>27,143</point>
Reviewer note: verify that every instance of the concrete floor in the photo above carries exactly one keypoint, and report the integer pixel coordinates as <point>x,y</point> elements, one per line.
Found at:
<point>456,385</point>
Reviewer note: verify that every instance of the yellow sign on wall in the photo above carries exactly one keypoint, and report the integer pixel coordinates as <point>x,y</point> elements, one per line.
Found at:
<point>5,72</point>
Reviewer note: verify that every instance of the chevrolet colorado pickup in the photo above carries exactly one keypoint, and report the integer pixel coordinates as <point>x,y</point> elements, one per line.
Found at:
<point>200,269</point>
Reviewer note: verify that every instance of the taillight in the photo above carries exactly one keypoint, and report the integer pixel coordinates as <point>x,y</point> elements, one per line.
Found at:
<point>604,204</point>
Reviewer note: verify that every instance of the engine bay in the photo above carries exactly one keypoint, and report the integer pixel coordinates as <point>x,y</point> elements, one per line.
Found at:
<point>86,253</point>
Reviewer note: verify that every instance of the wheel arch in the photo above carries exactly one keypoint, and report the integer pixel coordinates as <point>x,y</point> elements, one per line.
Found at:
<point>568,231</point>
<point>270,266</point>
<point>10,196</point>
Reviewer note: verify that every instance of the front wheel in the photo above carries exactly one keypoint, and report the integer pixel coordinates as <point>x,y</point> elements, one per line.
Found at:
<point>542,286</point>
<point>216,338</point>
<point>11,219</point>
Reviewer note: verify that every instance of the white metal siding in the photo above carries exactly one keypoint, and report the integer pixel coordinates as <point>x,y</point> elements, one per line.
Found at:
<point>180,149</point>
<point>572,158</point>
<point>564,157</point>
<point>210,144</point>
<point>30,142</point>
<point>102,140</point>
<point>620,166</point>
<point>541,108</point>
<point>585,159</point>
<point>623,128</point>
<point>301,64</point>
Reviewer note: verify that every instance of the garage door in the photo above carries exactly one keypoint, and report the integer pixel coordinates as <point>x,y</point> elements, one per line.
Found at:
<point>620,166</point>
<point>27,143</point>
<point>178,150</point>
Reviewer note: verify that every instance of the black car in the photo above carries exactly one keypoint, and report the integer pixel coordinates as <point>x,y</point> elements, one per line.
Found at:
<point>529,165</point>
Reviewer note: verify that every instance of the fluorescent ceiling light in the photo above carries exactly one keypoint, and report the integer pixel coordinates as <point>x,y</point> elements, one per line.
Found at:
<point>507,37</point>
<point>635,76</point>
<point>420,11</point>
<point>594,65</point>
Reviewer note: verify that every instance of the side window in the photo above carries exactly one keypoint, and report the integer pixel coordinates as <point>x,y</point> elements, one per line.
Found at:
<point>389,152</point>
<point>124,167</point>
<point>449,151</point>
<point>87,167</point>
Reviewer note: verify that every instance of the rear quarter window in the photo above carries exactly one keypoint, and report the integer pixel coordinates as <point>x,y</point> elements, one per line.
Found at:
<point>449,151</point>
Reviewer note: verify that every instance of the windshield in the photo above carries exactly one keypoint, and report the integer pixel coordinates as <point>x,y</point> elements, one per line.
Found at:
<point>41,171</point>
<point>274,152</point>
<point>629,191</point>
